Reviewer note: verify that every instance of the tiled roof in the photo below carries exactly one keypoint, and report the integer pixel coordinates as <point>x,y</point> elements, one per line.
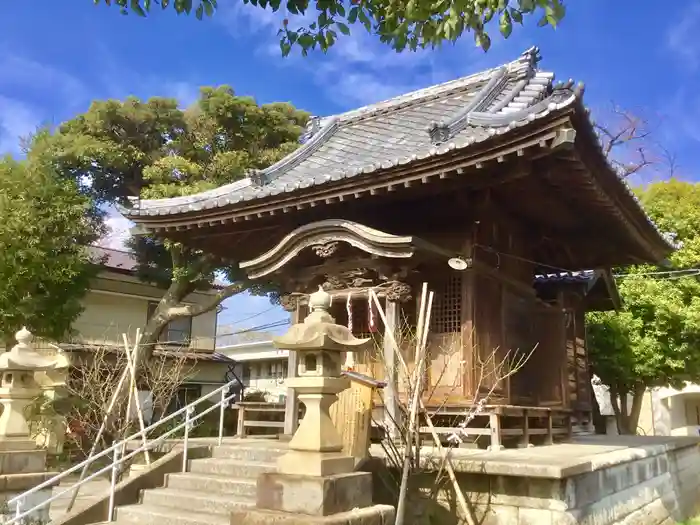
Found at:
<point>184,353</point>
<point>119,260</point>
<point>114,259</point>
<point>418,125</point>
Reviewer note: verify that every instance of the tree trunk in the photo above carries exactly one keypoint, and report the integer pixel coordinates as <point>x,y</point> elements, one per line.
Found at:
<point>636,409</point>
<point>627,417</point>
<point>152,331</point>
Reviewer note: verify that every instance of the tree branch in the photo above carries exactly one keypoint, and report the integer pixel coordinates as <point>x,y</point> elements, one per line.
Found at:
<point>193,310</point>
<point>626,142</point>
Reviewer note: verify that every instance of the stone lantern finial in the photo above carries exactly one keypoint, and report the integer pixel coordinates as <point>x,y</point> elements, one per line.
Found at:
<point>320,300</point>
<point>24,338</point>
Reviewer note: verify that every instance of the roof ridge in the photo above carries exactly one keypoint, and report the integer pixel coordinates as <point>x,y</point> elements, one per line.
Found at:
<point>525,63</point>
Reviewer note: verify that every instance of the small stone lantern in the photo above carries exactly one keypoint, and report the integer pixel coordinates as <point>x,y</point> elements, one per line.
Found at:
<point>315,481</point>
<point>18,388</point>
<point>320,343</point>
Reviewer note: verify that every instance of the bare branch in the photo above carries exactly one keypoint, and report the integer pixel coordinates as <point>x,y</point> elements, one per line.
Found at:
<point>627,142</point>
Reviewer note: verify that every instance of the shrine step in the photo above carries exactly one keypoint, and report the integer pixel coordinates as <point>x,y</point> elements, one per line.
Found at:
<point>195,501</point>
<point>152,514</point>
<point>230,467</point>
<point>254,453</point>
<point>212,484</point>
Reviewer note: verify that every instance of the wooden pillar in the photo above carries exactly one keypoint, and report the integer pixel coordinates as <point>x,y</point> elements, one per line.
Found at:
<point>391,411</point>
<point>291,409</point>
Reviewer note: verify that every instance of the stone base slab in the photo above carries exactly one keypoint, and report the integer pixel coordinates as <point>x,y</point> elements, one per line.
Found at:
<point>22,461</point>
<point>301,463</point>
<point>23,482</point>
<point>10,444</point>
<point>313,495</point>
<point>374,515</point>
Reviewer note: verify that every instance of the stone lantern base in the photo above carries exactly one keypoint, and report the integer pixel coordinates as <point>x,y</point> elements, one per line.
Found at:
<point>289,499</point>
<point>22,468</point>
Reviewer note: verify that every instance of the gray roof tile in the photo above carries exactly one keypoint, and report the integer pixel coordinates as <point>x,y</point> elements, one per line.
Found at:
<point>414,126</point>
<point>417,125</point>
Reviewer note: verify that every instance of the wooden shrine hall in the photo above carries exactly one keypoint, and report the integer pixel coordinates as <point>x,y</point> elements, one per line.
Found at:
<point>493,189</point>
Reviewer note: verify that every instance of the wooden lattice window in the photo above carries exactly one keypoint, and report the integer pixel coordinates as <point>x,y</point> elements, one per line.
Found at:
<point>446,314</point>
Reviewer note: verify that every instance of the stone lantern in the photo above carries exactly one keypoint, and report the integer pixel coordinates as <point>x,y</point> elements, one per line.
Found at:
<point>19,388</point>
<point>22,464</point>
<point>320,344</point>
<point>316,482</point>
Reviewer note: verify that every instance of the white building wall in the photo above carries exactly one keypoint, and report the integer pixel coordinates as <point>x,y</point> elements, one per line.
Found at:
<point>261,367</point>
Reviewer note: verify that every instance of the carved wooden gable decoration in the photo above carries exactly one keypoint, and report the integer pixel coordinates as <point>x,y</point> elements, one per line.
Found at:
<point>344,254</point>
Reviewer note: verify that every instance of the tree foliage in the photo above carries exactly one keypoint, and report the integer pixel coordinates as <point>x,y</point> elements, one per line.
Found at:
<point>156,149</point>
<point>411,24</point>
<point>654,340</point>
<point>45,267</point>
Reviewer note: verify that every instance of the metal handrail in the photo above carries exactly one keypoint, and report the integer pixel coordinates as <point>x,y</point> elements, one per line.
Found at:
<point>115,450</point>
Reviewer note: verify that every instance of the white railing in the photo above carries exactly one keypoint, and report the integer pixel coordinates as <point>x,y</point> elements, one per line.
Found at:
<point>118,460</point>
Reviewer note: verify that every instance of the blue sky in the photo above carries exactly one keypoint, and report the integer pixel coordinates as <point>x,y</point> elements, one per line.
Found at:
<point>55,57</point>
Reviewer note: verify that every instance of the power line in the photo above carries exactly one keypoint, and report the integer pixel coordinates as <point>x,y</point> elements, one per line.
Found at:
<point>253,316</point>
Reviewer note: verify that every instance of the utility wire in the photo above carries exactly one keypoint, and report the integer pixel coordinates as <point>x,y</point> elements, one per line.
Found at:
<point>238,321</point>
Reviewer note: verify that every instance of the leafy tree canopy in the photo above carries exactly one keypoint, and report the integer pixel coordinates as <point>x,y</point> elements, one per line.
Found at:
<point>411,24</point>
<point>45,267</point>
<point>654,340</point>
<point>156,149</point>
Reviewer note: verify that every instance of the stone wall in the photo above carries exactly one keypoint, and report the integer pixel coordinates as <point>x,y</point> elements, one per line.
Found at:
<point>644,485</point>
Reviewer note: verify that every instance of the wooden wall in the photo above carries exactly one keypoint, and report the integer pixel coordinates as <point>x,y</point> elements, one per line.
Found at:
<point>483,320</point>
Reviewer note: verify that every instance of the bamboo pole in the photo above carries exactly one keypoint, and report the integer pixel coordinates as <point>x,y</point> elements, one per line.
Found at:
<point>130,359</point>
<point>93,449</point>
<point>461,500</point>
<point>423,320</point>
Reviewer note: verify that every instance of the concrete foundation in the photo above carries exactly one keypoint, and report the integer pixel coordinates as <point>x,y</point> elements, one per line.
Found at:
<point>596,480</point>
<point>375,515</point>
<point>21,470</point>
<point>313,495</point>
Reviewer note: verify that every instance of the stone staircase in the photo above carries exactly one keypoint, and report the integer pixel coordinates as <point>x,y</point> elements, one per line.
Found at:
<point>209,491</point>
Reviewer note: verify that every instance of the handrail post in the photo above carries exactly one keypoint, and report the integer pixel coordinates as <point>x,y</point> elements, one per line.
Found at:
<point>240,430</point>
<point>221,417</point>
<point>188,415</point>
<point>113,483</point>
<point>18,509</point>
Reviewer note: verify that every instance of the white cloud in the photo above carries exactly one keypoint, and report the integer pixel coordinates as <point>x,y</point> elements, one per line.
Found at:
<point>185,92</point>
<point>117,231</point>
<point>359,69</point>
<point>681,38</point>
<point>34,82</point>
<point>17,120</point>
<point>23,73</point>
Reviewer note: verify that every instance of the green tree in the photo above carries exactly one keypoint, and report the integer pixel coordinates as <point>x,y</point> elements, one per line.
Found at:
<point>155,149</point>
<point>411,24</point>
<point>654,340</point>
<point>45,267</point>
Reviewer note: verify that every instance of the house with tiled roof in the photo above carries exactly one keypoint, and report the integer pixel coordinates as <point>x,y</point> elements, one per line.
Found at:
<point>119,303</point>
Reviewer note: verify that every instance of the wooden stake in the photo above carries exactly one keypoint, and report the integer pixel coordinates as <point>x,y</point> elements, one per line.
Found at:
<point>130,358</point>
<point>95,444</point>
<point>424,322</point>
<point>461,500</point>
